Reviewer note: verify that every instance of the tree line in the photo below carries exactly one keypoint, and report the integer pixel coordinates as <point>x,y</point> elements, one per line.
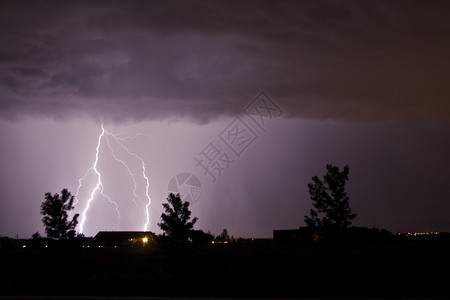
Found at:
<point>331,209</point>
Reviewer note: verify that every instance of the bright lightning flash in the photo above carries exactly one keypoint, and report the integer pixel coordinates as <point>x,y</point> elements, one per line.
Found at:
<point>98,190</point>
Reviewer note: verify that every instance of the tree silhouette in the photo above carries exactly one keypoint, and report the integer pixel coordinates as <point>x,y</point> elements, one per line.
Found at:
<point>330,200</point>
<point>174,222</point>
<point>223,237</point>
<point>54,209</point>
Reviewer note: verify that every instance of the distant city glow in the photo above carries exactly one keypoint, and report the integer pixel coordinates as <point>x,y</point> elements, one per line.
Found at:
<point>421,233</point>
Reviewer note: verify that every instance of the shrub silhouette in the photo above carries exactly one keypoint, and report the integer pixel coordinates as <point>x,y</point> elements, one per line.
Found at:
<point>54,209</point>
<point>330,200</point>
<point>175,221</point>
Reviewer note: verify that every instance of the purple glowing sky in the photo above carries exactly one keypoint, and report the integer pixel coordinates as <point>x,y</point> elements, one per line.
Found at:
<point>360,83</point>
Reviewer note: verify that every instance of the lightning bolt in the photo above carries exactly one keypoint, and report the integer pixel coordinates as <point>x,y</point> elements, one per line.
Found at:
<point>99,187</point>
<point>131,174</point>
<point>147,183</point>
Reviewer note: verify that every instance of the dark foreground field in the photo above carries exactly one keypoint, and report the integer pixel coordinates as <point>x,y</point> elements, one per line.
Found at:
<point>394,269</point>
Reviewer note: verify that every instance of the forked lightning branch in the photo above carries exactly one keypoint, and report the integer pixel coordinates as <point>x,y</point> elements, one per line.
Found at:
<point>98,192</point>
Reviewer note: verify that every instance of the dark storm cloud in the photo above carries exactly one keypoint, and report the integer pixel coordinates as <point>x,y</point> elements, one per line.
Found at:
<point>199,59</point>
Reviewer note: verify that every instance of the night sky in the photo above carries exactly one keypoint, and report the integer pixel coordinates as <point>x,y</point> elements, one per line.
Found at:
<point>363,83</point>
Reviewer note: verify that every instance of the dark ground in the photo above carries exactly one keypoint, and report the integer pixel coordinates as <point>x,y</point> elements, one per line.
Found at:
<point>243,270</point>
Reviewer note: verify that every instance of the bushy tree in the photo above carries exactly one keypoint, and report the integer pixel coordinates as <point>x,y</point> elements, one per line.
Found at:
<point>36,236</point>
<point>175,220</point>
<point>224,237</point>
<point>55,209</point>
<point>330,200</point>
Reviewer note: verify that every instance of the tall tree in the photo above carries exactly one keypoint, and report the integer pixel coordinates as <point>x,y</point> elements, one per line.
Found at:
<point>54,209</point>
<point>175,221</point>
<point>330,200</point>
